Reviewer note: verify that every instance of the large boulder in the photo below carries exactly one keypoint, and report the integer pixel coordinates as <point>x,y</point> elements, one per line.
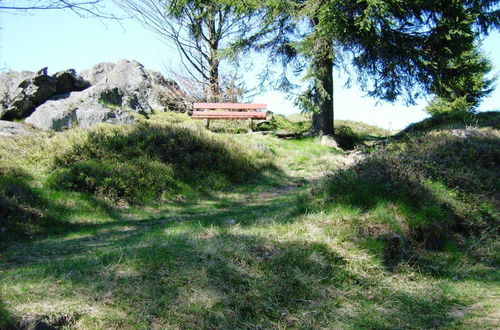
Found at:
<point>11,129</point>
<point>9,82</point>
<point>67,82</point>
<point>30,93</point>
<point>98,72</point>
<point>137,89</point>
<point>22,92</point>
<point>117,91</point>
<point>83,109</point>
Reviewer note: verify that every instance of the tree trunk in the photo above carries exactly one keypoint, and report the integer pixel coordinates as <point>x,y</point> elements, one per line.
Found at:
<point>322,72</point>
<point>213,59</point>
<point>323,119</point>
<point>213,71</point>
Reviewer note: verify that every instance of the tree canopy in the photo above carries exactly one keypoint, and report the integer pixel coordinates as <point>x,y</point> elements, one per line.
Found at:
<point>198,29</point>
<point>398,49</point>
<point>94,8</point>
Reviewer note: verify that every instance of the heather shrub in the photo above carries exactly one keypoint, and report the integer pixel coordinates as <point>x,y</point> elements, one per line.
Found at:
<point>436,191</point>
<point>149,161</point>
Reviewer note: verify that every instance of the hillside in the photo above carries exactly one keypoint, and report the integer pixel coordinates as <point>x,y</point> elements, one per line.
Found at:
<point>166,225</point>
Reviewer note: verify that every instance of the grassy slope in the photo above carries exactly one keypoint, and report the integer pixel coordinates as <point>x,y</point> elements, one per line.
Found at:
<point>247,257</point>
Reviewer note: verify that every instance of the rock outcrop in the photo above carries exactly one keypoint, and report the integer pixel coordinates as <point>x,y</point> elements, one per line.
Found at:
<point>117,91</point>
<point>22,92</point>
<point>9,82</point>
<point>67,82</point>
<point>10,129</point>
<point>83,109</point>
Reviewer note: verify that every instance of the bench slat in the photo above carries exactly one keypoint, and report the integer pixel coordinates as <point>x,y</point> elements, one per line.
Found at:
<point>228,115</point>
<point>230,106</point>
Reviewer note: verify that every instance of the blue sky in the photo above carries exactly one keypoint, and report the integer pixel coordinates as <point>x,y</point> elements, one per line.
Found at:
<point>60,40</point>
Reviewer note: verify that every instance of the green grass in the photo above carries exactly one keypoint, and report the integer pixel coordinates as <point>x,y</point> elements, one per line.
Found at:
<point>452,120</point>
<point>390,242</point>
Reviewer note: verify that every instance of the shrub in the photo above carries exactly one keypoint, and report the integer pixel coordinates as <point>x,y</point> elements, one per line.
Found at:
<point>439,188</point>
<point>281,123</point>
<point>440,106</point>
<point>135,180</point>
<point>454,119</point>
<point>20,204</point>
<point>149,161</point>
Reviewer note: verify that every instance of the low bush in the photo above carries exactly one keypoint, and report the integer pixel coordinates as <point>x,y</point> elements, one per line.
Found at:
<point>136,180</point>
<point>452,120</point>
<point>436,191</point>
<point>149,161</point>
<point>21,205</point>
<point>282,123</point>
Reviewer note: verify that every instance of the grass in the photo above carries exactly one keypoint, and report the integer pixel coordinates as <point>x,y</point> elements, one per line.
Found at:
<point>278,249</point>
<point>453,120</point>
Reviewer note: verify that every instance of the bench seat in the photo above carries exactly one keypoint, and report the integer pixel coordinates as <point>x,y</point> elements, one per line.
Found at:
<point>229,115</point>
<point>233,111</point>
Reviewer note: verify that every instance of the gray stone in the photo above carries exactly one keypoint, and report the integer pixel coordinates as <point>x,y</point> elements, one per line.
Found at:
<point>329,141</point>
<point>263,148</point>
<point>128,84</point>
<point>30,92</point>
<point>117,91</point>
<point>467,133</point>
<point>98,73</point>
<point>68,81</point>
<point>78,109</point>
<point>9,82</point>
<point>10,129</point>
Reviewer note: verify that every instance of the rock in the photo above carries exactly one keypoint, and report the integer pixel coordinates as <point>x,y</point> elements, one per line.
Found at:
<point>98,73</point>
<point>9,82</point>
<point>263,148</point>
<point>139,89</point>
<point>10,129</point>
<point>230,222</point>
<point>116,92</point>
<point>67,82</point>
<point>22,92</point>
<point>329,141</point>
<point>32,91</point>
<point>287,135</point>
<point>78,109</point>
<point>466,133</point>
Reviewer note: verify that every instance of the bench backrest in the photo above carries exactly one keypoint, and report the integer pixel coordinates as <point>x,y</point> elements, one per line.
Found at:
<point>229,106</point>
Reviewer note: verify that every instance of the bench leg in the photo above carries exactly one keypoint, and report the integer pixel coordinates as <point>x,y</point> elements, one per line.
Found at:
<point>250,125</point>
<point>207,123</point>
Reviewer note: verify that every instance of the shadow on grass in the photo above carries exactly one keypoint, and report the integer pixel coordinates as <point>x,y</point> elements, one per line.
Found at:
<point>194,277</point>
<point>437,194</point>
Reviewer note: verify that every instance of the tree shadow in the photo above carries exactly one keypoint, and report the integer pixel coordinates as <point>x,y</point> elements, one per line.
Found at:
<point>438,194</point>
<point>158,278</point>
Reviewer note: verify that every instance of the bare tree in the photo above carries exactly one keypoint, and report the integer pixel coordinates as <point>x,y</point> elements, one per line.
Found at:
<point>91,8</point>
<point>197,29</point>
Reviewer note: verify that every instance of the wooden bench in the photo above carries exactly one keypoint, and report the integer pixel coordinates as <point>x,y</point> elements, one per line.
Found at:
<point>233,111</point>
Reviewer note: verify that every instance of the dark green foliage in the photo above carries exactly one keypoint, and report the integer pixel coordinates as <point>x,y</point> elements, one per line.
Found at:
<point>136,180</point>
<point>346,138</point>
<point>454,119</point>
<point>152,161</point>
<point>464,92</point>
<point>281,123</point>
<point>436,189</point>
<point>398,49</point>
<point>19,204</point>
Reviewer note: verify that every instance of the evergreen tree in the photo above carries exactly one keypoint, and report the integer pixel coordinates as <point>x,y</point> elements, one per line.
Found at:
<point>398,48</point>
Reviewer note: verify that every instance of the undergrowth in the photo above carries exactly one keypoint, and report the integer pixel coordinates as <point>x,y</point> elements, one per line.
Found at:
<point>436,192</point>
<point>147,238</point>
<point>150,162</point>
